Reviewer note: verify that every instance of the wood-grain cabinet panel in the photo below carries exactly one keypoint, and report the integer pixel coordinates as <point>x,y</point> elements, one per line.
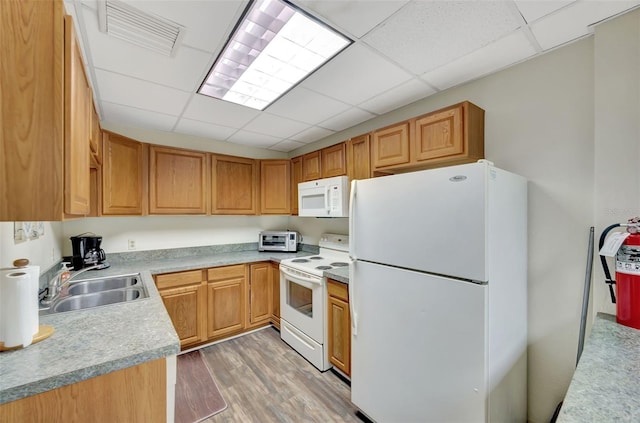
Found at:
<point>311,166</point>
<point>275,294</point>
<point>390,146</point>
<point>359,157</point>
<point>334,160</point>
<point>296,178</point>
<point>275,182</point>
<point>339,326</point>
<point>260,294</point>
<point>178,181</point>
<point>124,175</point>
<point>234,185</point>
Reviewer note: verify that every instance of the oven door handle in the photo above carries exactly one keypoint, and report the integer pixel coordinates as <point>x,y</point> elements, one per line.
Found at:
<point>296,278</point>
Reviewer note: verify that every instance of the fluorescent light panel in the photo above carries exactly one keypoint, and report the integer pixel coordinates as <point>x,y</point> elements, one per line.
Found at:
<point>274,47</point>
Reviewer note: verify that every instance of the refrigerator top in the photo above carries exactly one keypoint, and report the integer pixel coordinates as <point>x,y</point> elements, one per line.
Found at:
<point>437,221</point>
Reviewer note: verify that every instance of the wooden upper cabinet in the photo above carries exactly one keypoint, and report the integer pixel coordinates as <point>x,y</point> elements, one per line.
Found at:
<point>77,125</point>
<point>390,146</point>
<point>358,158</point>
<point>311,166</point>
<point>275,184</point>
<point>296,178</point>
<point>234,185</point>
<point>333,160</point>
<point>178,182</point>
<point>124,176</point>
<point>95,144</point>
<point>451,134</point>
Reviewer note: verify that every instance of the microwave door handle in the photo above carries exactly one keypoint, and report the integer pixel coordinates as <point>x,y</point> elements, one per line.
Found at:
<point>327,202</point>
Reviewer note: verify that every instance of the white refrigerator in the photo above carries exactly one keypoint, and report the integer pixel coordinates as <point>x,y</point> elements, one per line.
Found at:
<point>438,295</point>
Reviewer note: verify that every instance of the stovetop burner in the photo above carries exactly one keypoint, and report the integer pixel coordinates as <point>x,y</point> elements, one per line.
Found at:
<point>339,264</point>
<point>300,260</point>
<point>323,267</point>
<point>316,258</point>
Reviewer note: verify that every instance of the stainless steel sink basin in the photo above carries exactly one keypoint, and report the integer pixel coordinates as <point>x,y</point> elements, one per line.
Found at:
<point>79,302</point>
<point>89,293</point>
<point>104,284</point>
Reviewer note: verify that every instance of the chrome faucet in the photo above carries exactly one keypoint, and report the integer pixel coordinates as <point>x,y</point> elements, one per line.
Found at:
<point>57,282</point>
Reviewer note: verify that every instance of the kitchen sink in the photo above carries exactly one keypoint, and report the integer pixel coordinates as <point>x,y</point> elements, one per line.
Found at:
<point>82,301</point>
<point>104,284</point>
<point>89,293</point>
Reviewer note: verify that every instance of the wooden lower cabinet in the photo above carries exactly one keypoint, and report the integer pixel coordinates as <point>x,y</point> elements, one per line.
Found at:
<point>275,294</point>
<point>260,294</point>
<point>134,394</point>
<point>226,300</point>
<point>339,326</point>
<point>184,295</point>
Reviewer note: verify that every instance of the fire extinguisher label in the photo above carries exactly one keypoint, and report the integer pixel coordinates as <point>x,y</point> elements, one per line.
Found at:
<point>628,268</point>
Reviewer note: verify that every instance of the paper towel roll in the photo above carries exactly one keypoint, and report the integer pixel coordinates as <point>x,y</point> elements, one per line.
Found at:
<point>16,315</point>
<point>34,307</point>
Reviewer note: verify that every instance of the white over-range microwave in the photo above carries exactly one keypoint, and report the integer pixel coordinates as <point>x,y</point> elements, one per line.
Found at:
<point>324,197</point>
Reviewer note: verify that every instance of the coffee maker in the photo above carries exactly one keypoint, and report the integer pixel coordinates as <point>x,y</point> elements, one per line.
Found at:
<point>87,252</point>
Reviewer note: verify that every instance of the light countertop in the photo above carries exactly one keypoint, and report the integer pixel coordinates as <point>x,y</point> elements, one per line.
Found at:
<point>92,342</point>
<point>606,383</point>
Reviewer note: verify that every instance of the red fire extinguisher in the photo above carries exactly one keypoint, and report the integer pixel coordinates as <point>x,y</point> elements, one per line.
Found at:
<point>627,282</point>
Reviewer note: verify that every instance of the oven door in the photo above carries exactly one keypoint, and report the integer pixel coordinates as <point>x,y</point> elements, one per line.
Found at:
<point>302,302</point>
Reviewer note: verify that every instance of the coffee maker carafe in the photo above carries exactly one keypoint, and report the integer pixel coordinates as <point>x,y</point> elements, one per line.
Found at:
<point>87,252</point>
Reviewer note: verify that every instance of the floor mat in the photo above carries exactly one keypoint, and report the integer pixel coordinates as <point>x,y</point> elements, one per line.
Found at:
<point>197,396</point>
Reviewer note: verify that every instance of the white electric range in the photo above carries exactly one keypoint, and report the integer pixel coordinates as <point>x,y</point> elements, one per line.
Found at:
<point>303,298</point>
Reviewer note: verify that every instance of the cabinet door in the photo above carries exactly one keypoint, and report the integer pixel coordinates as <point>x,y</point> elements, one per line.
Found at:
<point>123,176</point>
<point>333,160</point>
<point>339,327</point>
<point>296,178</point>
<point>177,181</point>
<point>439,134</point>
<point>358,158</point>
<point>311,166</point>
<point>226,301</point>
<point>275,294</point>
<point>275,183</point>
<point>234,185</point>
<point>260,296</point>
<point>184,306</point>
<point>77,126</point>
<point>95,144</point>
<point>390,146</point>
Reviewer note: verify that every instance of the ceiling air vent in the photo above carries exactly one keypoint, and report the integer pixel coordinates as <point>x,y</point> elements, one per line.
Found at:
<point>140,28</point>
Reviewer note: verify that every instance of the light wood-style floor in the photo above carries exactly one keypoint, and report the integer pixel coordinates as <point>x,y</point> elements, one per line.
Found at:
<point>263,380</point>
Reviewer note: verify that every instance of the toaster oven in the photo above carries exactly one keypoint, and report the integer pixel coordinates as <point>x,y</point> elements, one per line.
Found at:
<point>279,241</point>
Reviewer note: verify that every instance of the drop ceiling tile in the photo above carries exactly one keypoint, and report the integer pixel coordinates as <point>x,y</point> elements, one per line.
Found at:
<point>426,34</point>
<point>347,119</point>
<point>120,89</point>
<point>312,134</point>
<point>219,112</point>
<point>275,125</point>
<point>399,96</point>
<point>286,146</point>
<point>500,54</point>
<point>136,118</point>
<point>356,75</point>
<point>535,9</point>
<point>253,139</point>
<point>204,129</point>
<point>357,17</point>
<point>184,72</point>
<point>306,106</point>
<point>207,23</point>
<point>573,21</point>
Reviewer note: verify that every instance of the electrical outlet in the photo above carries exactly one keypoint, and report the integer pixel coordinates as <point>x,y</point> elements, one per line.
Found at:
<point>132,244</point>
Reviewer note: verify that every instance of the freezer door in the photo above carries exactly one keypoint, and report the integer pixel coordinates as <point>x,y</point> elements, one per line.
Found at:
<point>432,220</point>
<point>419,352</point>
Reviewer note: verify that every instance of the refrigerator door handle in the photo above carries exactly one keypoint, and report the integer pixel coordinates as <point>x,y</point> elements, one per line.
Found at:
<point>352,300</point>
<point>352,207</point>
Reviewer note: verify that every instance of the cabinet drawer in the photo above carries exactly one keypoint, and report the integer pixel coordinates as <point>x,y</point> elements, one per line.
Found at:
<point>338,290</point>
<point>226,272</point>
<point>171,280</point>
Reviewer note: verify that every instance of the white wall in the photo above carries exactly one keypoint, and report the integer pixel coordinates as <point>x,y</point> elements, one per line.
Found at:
<point>312,227</point>
<point>160,232</point>
<point>44,251</point>
<point>617,132</point>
